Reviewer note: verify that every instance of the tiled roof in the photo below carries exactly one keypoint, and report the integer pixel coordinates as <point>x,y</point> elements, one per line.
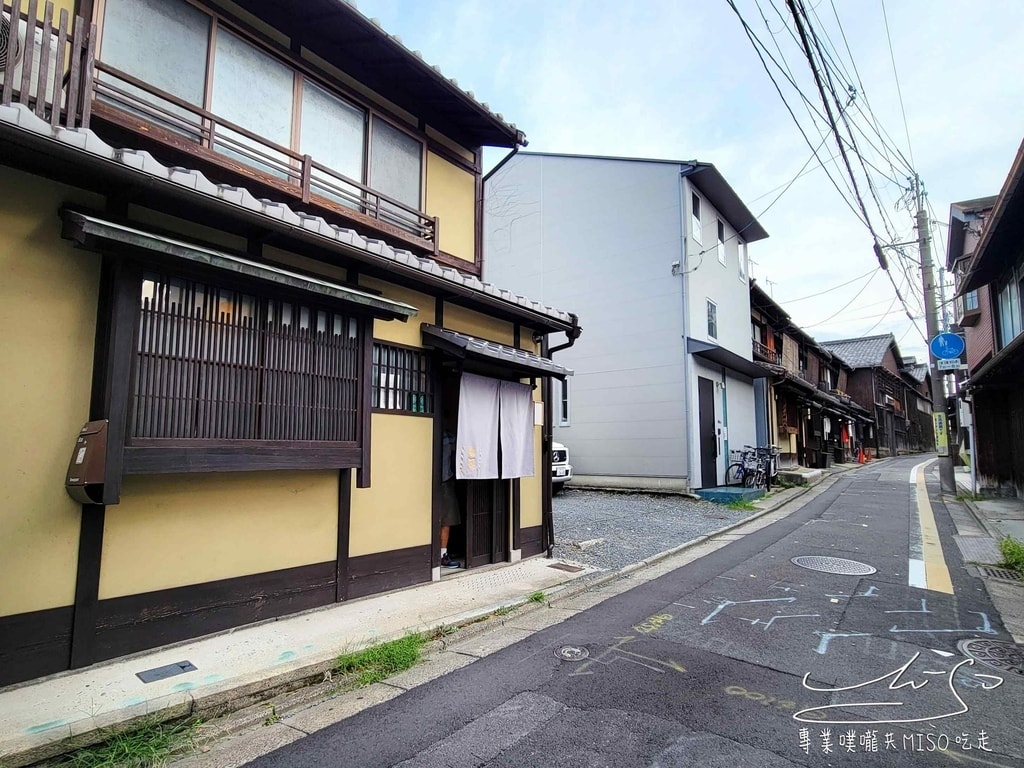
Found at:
<point>84,140</point>
<point>918,372</point>
<point>494,351</point>
<point>868,352</point>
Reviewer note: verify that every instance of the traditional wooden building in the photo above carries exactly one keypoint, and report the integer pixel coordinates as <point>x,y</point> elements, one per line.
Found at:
<point>807,410</point>
<point>893,389</point>
<point>991,283</point>
<point>241,242</point>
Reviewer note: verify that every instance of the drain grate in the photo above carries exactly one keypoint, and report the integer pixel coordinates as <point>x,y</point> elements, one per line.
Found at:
<point>998,654</point>
<point>839,565</point>
<point>572,653</point>
<point>999,573</point>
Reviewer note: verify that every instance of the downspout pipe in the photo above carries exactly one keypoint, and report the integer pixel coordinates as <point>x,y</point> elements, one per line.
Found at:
<point>572,334</point>
<point>683,273</point>
<point>547,518</point>
<point>520,142</point>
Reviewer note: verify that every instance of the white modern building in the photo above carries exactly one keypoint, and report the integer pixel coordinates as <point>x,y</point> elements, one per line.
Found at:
<point>653,255</point>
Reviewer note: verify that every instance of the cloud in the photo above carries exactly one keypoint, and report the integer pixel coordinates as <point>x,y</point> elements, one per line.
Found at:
<point>680,80</point>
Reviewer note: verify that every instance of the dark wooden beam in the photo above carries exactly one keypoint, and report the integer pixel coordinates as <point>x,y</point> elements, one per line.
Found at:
<point>365,398</point>
<point>344,528</point>
<point>87,586</point>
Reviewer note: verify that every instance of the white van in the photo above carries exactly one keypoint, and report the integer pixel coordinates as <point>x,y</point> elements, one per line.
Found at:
<point>561,469</point>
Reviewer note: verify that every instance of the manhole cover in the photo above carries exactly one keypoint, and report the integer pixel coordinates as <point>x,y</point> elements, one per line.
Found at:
<point>833,565</point>
<point>572,653</point>
<point>998,654</point>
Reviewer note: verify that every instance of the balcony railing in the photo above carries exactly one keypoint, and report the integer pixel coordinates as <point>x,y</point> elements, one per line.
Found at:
<point>47,64</point>
<point>69,76</point>
<point>762,352</point>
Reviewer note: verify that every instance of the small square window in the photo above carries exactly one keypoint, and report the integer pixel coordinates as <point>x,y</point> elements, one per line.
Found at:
<point>563,404</point>
<point>712,320</point>
<point>695,228</point>
<point>721,242</point>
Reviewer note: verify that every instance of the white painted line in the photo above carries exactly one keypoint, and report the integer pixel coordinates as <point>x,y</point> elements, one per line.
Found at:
<point>917,576</point>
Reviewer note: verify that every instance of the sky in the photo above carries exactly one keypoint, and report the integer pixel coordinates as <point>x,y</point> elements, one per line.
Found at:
<point>938,91</point>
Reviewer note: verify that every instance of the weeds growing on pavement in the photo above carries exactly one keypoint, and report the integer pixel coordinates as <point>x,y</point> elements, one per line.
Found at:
<point>378,662</point>
<point>969,497</point>
<point>444,630</point>
<point>742,505</point>
<point>537,597</point>
<point>1013,554</point>
<point>150,744</point>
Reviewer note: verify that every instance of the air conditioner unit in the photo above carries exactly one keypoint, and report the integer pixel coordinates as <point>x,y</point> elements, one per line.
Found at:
<point>15,67</point>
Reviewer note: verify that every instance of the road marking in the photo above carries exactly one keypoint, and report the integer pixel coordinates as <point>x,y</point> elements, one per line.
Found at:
<point>916,576</point>
<point>936,574</point>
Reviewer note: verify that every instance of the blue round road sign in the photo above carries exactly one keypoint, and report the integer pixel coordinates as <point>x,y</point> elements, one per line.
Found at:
<point>947,346</point>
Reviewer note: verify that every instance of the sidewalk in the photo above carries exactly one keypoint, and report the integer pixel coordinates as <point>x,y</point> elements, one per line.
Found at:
<point>978,539</point>
<point>231,670</point>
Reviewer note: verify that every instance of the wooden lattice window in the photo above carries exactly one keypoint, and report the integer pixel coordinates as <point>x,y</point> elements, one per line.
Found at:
<point>222,365</point>
<point>402,379</point>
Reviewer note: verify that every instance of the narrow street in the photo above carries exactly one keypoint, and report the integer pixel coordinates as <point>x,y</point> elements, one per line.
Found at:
<point>735,660</point>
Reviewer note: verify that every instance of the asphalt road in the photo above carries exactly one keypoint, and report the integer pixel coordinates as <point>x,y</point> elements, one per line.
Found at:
<point>732,660</point>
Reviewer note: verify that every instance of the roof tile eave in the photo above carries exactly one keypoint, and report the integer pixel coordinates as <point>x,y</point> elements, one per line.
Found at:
<point>81,141</point>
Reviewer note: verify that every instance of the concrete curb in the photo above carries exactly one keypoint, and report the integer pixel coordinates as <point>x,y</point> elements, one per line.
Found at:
<point>979,518</point>
<point>238,701</point>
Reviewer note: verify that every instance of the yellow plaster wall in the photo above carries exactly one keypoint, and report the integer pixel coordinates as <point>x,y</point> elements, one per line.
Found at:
<point>531,489</point>
<point>48,295</point>
<point>451,196</point>
<point>454,146</point>
<point>396,331</point>
<point>465,320</point>
<point>396,511</point>
<point>177,530</point>
<point>68,5</point>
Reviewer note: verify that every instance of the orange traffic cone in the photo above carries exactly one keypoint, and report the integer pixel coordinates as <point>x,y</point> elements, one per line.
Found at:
<point>860,455</point>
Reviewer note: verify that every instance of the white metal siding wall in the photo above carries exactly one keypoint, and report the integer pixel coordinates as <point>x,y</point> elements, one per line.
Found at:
<point>598,237</point>
<point>709,279</point>
<point>742,426</point>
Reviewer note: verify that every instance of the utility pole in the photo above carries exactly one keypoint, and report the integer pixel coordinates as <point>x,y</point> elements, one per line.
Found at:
<point>924,239</point>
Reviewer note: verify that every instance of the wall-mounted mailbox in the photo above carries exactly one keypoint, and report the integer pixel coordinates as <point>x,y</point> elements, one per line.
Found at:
<point>86,470</point>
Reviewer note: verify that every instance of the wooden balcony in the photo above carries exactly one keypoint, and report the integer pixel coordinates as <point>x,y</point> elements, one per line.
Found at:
<point>761,352</point>
<point>91,94</point>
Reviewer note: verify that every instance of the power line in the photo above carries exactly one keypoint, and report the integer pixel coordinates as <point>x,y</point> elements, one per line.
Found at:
<point>829,290</point>
<point>831,119</point>
<point>758,46</point>
<point>810,107</point>
<point>874,273</point>
<point>887,313</point>
<point>899,91</point>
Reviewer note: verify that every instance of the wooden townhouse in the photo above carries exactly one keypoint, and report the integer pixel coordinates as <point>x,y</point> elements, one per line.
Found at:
<point>893,389</point>
<point>241,244</point>
<point>808,412</point>
<point>990,286</point>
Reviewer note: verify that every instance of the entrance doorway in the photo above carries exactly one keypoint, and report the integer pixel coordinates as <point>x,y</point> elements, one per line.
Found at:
<point>486,521</point>
<point>482,537</point>
<point>708,434</point>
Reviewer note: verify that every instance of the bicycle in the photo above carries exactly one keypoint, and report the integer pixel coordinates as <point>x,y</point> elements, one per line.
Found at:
<point>756,467</point>
<point>742,471</point>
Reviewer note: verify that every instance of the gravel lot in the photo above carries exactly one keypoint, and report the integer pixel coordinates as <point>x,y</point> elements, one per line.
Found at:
<point>634,526</point>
